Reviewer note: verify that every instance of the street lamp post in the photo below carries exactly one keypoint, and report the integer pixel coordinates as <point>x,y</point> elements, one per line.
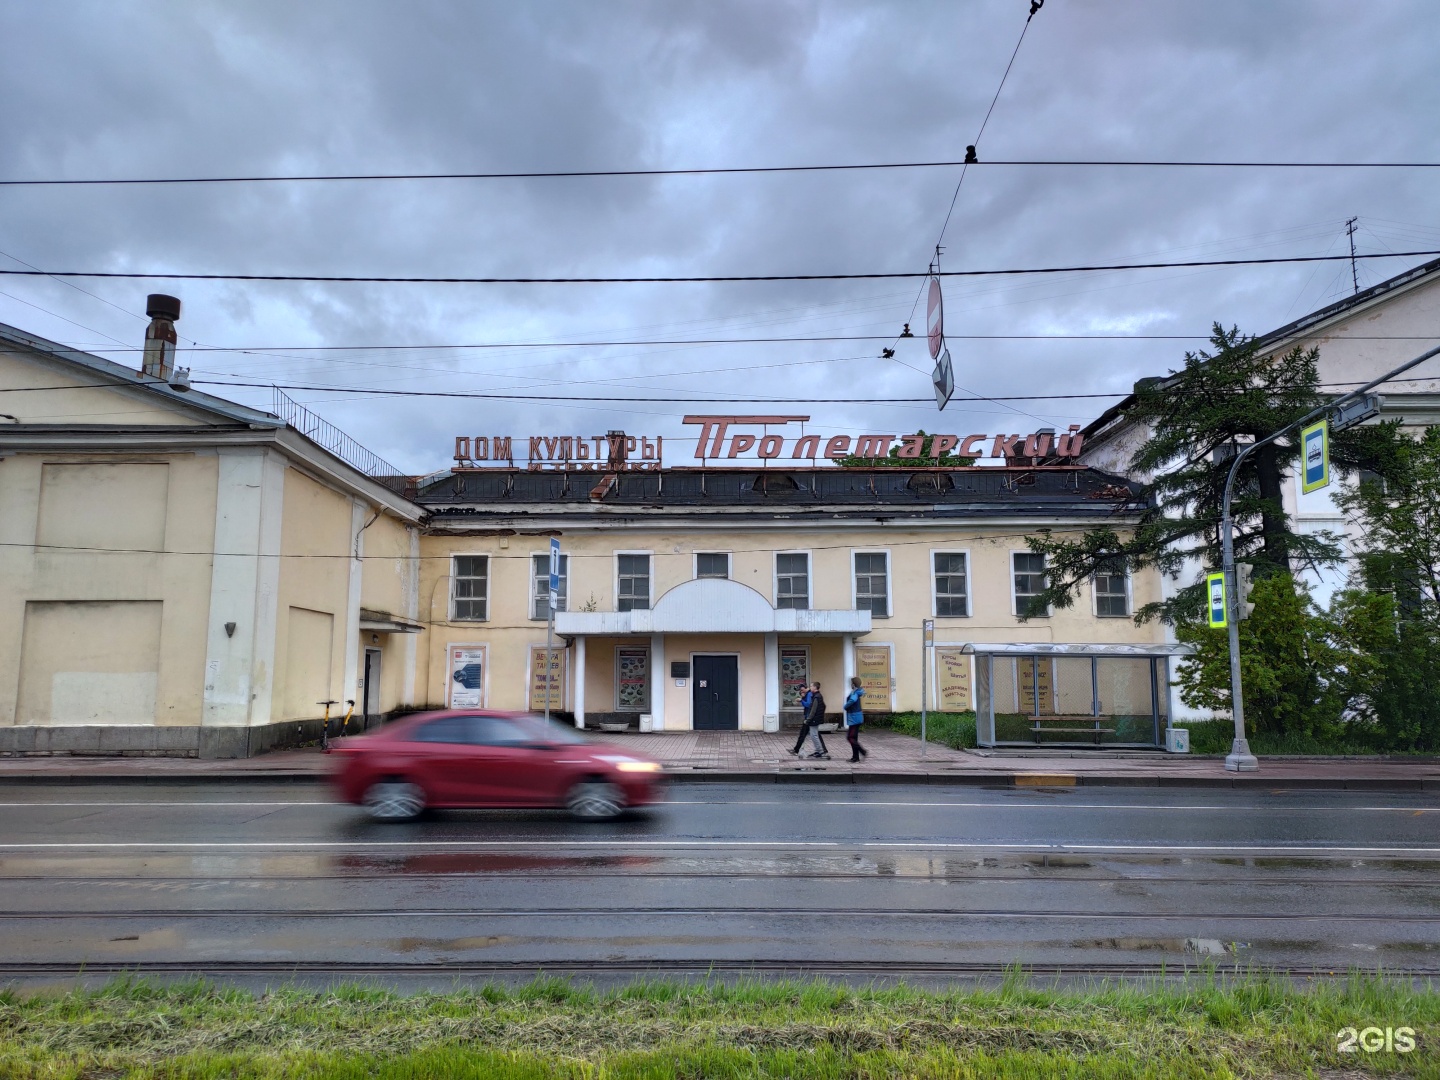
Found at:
<point>1349,409</point>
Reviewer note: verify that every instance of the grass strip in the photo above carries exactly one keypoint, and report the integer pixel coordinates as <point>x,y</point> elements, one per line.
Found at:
<point>1213,1026</point>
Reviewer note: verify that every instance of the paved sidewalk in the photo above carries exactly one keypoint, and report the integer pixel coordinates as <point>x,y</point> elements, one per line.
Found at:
<point>746,756</point>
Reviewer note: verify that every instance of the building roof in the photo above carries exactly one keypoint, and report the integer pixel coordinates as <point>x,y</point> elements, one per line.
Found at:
<point>470,498</point>
<point>104,373</point>
<point>1302,326</point>
<point>215,419</point>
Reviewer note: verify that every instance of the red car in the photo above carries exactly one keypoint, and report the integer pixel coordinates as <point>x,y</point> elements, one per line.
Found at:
<point>475,759</point>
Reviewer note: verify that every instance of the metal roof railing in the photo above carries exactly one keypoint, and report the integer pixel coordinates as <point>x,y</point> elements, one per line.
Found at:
<point>330,438</point>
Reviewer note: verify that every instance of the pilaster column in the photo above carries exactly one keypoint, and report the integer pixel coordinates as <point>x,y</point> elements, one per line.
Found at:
<point>658,674</point>
<point>580,681</point>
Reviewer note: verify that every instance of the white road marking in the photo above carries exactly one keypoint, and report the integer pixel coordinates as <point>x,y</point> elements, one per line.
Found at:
<point>1008,804</point>
<point>310,802</point>
<point>614,844</point>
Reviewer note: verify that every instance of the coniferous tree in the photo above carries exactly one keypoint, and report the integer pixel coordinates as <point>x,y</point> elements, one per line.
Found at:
<point>1197,418</point>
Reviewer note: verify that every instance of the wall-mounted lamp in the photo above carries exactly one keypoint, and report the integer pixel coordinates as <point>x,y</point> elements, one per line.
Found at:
<point>229,629</point>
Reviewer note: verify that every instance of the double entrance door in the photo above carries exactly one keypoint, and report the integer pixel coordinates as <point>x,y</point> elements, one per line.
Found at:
<point>715,693</point>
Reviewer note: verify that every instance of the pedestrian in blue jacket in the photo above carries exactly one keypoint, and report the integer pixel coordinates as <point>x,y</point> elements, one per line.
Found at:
<point>854,717</point>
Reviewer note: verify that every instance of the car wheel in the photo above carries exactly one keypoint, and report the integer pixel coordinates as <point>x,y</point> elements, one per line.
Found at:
<point>595,800</point>
<point>394,800</point>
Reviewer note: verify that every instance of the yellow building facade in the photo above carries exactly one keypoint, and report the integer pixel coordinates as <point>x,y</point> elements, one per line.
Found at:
<point>183,575</point>
<point>678,583</point>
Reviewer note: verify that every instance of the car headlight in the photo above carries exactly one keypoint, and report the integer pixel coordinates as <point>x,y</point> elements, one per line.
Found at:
<point>637,766</point>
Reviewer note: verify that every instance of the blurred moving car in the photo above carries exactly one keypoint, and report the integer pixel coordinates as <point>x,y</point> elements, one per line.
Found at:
<point>481,759</point>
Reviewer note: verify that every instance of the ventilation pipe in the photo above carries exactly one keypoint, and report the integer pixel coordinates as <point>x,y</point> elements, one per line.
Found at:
<point>160,338</point>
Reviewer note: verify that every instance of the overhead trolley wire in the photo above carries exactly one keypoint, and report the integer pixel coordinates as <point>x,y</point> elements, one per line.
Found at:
<point>387,279</point>
<point>704,341</point>
<point>1084,163</point>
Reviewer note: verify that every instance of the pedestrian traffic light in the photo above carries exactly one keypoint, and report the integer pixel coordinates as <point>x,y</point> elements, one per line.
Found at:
<point>1243,585</point>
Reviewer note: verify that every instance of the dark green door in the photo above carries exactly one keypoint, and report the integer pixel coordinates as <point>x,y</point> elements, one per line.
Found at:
<point>715,682</point>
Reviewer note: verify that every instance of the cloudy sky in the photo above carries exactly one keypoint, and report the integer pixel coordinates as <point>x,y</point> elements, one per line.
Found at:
<point>173,88</point>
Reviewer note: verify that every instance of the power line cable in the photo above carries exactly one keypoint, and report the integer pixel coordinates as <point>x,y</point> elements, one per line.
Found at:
<point>701,278</point>
<point>717,171</point>
<point>970,151</point>
<point>693,341</point>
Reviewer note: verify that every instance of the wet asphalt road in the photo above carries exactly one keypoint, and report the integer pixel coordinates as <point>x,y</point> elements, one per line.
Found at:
<point>262,881</point>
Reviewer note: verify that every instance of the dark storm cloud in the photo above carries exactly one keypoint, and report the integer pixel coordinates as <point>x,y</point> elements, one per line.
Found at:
<point>191,88</point>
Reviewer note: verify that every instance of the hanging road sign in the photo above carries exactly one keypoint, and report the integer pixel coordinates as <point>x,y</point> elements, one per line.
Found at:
<point>1219,609</point>
<point>1315,455</point>
<point>944,380</point>
<point>935,319</point>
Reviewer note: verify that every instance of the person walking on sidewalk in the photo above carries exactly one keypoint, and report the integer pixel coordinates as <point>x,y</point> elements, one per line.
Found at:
<point>812,702</point>
<point>854,717</point>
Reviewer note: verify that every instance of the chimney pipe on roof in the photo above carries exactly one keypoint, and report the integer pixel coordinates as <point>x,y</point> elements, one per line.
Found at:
<point>160,338</point>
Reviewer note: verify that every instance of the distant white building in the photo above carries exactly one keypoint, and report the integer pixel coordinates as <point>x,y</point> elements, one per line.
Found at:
<point>1359,338</point>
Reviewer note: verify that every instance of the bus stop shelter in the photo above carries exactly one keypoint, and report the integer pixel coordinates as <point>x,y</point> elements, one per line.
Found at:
<point>1048,694</point>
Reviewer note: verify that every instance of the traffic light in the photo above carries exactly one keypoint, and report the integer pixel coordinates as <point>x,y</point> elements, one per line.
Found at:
<point>1243,585</point>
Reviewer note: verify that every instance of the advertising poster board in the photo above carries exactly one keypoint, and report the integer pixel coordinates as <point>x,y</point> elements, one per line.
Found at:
<point>952,680</point>
<point>537,678</point>
<point>872,664</point>
<point>632,678</point>
<point>466,688</point>
<point>1029,665</point>
<point>794,675</point>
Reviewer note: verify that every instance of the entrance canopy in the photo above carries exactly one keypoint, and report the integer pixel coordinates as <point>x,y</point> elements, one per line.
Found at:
<point>711,606</point>
<point>1072,693</point>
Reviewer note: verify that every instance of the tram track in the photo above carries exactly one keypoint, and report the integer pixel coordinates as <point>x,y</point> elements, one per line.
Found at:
<point>732,911</point>
<point>605,969</point>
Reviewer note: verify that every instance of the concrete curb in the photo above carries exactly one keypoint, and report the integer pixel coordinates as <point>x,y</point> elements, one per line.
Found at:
<point>817,776</point>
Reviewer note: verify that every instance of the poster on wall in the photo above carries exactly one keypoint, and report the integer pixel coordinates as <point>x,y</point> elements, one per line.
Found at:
<point>632,679</point>
<point>467,676</point>
<point>538,669</point>
<point>794,676</point>
<point>1029,665</point>
<point>872,664</point>
<point>952,680</point>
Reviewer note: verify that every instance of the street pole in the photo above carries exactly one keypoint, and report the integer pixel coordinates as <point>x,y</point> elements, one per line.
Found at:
<point>1240,759</point>
<point>553,602</point>
<point>927,637</point>
<point>549,637</point>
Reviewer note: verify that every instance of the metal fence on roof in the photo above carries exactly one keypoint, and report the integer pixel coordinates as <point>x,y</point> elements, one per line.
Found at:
<point>330,438</point>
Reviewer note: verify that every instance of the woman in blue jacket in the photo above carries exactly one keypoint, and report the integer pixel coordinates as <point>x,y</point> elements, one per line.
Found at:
<point>854,718</point>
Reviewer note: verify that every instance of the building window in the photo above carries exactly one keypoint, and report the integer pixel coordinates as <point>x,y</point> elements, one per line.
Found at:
<point>952,591</point>
<point>872,585</point>
<point>792,581</point>
<point>540,585</point>
<point>633,585</point>
<point>1112,595</point>
<point>712,564</point>
<point>1029,580</point>
<point>472,587</point>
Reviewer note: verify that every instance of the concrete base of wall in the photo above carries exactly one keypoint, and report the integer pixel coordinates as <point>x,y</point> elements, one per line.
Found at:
<point>99,740</point>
